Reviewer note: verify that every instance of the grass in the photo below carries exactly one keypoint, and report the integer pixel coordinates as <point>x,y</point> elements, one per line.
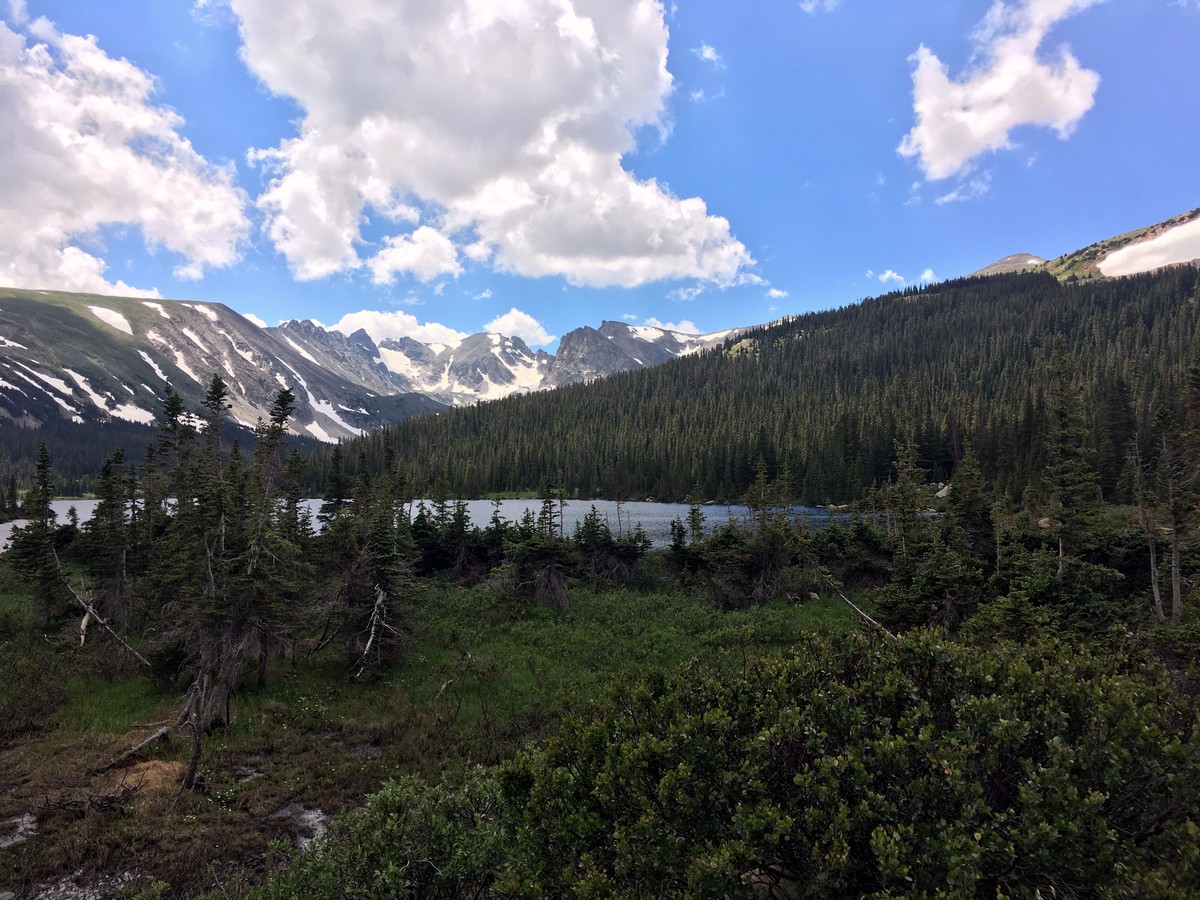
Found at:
<point>482,676</point>
<point>110,707</point>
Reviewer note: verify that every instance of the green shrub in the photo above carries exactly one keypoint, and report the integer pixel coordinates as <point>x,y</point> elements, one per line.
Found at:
<point>870,769</point>
<point>411,840</point>
<point>848,767</point>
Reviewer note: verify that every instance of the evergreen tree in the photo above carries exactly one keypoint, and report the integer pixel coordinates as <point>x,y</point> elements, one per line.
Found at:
<point>1073,501</point>
<point>33,547</point>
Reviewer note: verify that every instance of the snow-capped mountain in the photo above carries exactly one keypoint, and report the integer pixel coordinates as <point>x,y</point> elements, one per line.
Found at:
<point>480,367</point>
<point>487,366</point>
<point>587,353</point>
<point>88,358</point>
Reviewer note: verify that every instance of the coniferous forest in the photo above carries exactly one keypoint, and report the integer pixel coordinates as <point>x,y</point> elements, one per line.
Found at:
<point>826,395</point>
<point>990,693</point>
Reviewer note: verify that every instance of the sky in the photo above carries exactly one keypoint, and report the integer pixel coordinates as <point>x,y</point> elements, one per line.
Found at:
<point>434,168</point>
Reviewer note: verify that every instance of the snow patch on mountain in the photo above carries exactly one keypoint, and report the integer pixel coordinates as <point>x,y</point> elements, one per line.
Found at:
<point>191,336</point>
<point>247,355</point>
<point>182,363</point>
<point>97,399</point>
<point>157,307</point>
<point>1176,245</point>
<point>312,359</point>
<point>325,408</point>
<point>112,318</point>
<point>152,364</point>
<point>57,383</point>
<point>5,342</point>
<point>206,311</point>
<point>132,413</point>
<point>318,432</point>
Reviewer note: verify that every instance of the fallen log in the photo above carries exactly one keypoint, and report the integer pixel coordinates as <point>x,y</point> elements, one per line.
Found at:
<point>126,757</point>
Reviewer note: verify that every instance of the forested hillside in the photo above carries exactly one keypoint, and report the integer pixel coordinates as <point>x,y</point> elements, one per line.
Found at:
<point>825,395</point>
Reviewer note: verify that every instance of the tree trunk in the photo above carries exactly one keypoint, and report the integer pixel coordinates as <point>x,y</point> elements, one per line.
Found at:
<point>1176,576</point>
<point>189,776</point>
<point>1159,613</point>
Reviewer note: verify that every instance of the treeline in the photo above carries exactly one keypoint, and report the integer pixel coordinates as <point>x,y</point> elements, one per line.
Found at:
<point>80,450</point>
<point>826,395</point>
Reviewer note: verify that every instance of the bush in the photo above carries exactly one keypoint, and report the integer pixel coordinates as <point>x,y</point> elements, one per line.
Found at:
<point>870,769</point>
<point>411,840</point>
<point>852,768</point>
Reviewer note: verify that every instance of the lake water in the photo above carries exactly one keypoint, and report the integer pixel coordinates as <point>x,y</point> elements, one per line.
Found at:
<point>655,518</point>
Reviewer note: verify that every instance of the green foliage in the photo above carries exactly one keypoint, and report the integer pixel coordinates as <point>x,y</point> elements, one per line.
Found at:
<point>912,769</point>
<point>839,769</point>
<point>411,840</point>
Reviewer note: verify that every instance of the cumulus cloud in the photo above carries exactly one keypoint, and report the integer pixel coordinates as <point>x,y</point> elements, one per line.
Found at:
<point>85,147</point>
<point>892,277</point>
<point>502,126</point>
<point>814,6</point>
<point>777,293</point>
<point>485,294</point>
<point>257,320</point>
<point>383,325</point>
<point>926,276</point>
<point>520,324</point>
<point>1010,83</point>
<point>683,326</point>
<point>426,253</point>
<point>709,55</point>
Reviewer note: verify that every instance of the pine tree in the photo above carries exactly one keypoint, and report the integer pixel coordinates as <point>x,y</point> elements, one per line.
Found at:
<point>1073,501</point>
<point>33,550</point>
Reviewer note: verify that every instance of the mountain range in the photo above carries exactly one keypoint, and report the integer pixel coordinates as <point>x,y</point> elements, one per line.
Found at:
<point>89,358</point>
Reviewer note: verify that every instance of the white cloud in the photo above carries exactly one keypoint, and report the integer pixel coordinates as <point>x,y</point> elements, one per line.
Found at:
<point>813,6</point>
<point>505,122</point>
<point>1009,85</point>
<point>699,95</point>
<point>629,317</point>
<point>86,147</point>
<point>426,253</point>
<point>485,294</point>
<point>251,317</point>
<point>519,324</point>
<point>969,190</point>
<point>777,293</point>
<point>891,276</point>
<point>683,326</point>
<point>383,325</point>
<point>709,55</point>
<point>685,294</point>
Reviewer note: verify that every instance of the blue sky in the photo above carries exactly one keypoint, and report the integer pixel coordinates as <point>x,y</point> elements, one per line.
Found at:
<point>530,166</point>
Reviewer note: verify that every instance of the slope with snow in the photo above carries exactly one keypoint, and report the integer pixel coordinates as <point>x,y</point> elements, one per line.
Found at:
<point>1172,246</point>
